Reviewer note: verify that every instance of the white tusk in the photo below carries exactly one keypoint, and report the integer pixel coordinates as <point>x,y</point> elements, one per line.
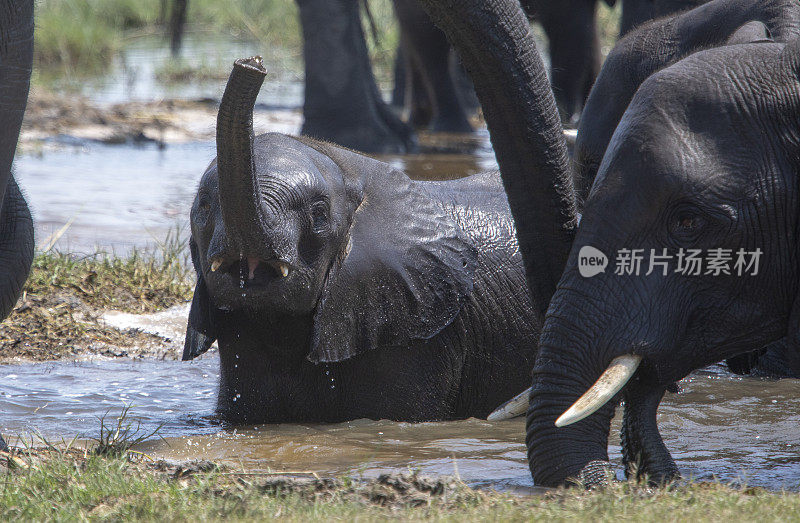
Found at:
<point>610,382</point>
<point>516,406</point>
<point>215,265</point>
<point>284,270</point>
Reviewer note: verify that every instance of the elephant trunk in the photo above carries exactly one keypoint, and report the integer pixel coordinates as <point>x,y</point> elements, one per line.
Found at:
<point>495,44</point>
<point>564,370</point>
<point>238,185</point>
<point>16,59</point>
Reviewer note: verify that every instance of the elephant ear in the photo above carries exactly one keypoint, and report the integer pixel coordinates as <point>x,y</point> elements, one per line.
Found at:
<point>402,276</point>
<point>200,329</point>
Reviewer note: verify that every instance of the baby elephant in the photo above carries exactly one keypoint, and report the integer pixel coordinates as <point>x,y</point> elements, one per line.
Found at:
<point>338,288</point>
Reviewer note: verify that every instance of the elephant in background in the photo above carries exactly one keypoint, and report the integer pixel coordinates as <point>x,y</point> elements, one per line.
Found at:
<point>705,157</point>
<point>574,54</point>
<point>337,288</point>
<point>16,225</point>
<point>429,80</point>
<point>342,102</point>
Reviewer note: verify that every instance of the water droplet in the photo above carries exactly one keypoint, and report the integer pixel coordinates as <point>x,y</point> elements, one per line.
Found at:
<point>237,356</point>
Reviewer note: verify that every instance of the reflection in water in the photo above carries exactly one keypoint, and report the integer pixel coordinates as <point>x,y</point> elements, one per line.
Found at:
<point>133,74</point>
<point>131,196</point>
<point>731,428</point>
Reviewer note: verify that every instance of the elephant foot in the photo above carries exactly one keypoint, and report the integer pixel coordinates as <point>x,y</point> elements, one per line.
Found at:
<point>643,451</point>
<point>596,474</point>
<point>3,445</point>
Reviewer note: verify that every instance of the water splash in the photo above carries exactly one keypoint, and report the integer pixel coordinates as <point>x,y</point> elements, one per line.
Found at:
<point>241,274</point>
<point>328,373</point>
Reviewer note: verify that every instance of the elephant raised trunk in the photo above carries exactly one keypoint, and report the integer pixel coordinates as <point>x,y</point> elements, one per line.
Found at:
<point>494,41</point>
<point>238,185</point>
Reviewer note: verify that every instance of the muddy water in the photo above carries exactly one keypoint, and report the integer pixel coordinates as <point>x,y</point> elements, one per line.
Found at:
<point>739,430</point>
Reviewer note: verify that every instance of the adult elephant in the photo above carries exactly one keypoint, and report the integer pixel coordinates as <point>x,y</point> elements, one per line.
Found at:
<point>342,102</point>
<point>705,157</point>
<point>571,29</point>
<point>16,227</point>
<point>427,74</point>
<point>337,288</point>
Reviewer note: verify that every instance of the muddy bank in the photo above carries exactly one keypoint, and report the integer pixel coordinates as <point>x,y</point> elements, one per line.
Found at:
<point>61,313</point>
<point>65,118</point>
<point>394,490</point>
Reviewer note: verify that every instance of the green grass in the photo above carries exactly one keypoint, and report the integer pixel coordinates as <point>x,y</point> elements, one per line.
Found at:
<point>71,486</point>
<point>143,281</point>
<point>59,313</point>
<point>81,37</point>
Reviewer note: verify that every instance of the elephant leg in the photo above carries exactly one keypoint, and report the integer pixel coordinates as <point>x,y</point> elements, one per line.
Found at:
<point>777,360</point>
<point>3,445</point>
<point>464,87</point>
<point>399,73</point>
<point>574,53</point>
<point>430,51</point>
<point>419,103</point>
<point>643,451</point>
<point>16,247</point>
<point>342,101</point>
<point>177,24</point>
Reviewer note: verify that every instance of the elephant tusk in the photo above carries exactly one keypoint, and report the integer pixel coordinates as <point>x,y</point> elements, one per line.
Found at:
<point>281,267</point>
<point>215,265</point>
<point>516,406</point>
<point>610,382</point>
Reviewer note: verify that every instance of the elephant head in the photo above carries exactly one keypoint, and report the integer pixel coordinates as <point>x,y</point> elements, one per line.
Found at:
<point>16,227</point>
<point>660,43</point>
<point>706,158</point>
<point>285,226</point>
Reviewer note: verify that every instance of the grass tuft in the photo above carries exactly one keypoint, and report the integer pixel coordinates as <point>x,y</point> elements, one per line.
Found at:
<point>119,437</point>
<point>144,281</point>
<point>65,295</point>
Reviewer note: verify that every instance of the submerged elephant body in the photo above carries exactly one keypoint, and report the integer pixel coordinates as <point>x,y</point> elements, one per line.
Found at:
<point>472,364</point>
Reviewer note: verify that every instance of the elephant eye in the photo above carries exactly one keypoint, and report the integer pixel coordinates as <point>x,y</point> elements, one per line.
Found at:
<point>687,226</point>
<point>203,202</point>
<point>319,216</point>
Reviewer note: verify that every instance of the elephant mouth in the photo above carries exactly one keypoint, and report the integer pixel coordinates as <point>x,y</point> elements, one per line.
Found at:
<point>252,272</point>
